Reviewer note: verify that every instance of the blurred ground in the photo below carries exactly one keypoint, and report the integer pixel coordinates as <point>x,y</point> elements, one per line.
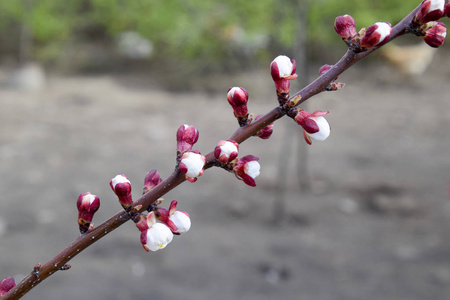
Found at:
<point>373,225</point>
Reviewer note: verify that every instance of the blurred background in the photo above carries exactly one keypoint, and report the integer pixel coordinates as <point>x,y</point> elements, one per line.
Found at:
<point>92,89</point>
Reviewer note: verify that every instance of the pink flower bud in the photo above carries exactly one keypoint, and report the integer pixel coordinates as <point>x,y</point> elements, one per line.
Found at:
<point>191,165</point>
<point>238,98</point>
<point>377,34</point>
<point>345,26</point>
<point>226,151</point>
<point>430,10</point>
<point>266,132</point>
<point>435,34</point>
<point>187,136</point>
<point>87,205</point>
<point>154,236</point>
<point>283,71</point>
<point>314,125</point>
<point>247,169</point>
<point>6,284</point>
<point>122,188</point>
<point>151,180</point>
<point>447,10</point>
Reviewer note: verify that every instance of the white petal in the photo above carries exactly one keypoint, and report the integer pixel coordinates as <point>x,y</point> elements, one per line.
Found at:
<point>284,64</point>
<point>437,5</point>
<point>194,163</point>
<point>383,29</point>
<point>228,148</point>
<point>181,220</point>
<point>324,129</point>
<point>158,236</point>
<point>252,168</point>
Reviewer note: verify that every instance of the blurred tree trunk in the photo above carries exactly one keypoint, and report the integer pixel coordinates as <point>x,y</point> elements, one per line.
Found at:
<point>292,134</point>
<point>26,34</point>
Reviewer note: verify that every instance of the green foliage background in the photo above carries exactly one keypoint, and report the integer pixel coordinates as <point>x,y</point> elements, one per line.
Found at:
<point>186,29</point>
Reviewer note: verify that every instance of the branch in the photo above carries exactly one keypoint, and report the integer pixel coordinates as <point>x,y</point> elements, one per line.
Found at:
<point>59,262</point>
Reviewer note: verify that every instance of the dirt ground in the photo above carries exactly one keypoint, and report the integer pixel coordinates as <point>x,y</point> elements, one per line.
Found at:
<point>372,224</point>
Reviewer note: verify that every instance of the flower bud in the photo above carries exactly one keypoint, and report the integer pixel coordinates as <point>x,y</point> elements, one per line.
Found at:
<point>122,188</point>
<point>238,98</point>
<point>87,205</point>
<point>187,136</point>
<point>377,34</point>
<point>435,34</point>
<point>447,10</point>
<point>247,169</point>
<point>430,10</point>
<point>151,180</point>
<point>345,26</point>
<point>314,125</point>
<point>177,221</point>
<point>6,284</point>
<point>283,71</point>
<point>266,132</point>
<point>191,164</point>
<point>154,236</point>
<point>226,151</point>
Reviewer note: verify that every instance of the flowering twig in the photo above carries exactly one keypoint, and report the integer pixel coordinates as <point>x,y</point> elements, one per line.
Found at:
<point>190,164</point>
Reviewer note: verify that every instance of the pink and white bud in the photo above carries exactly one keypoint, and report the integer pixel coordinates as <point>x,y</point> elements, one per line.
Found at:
<point>154,236</point>
<point>187,136</point>
<point>266,132</point>
<point>226,151</point>
<point>435,34</point>
<point>122,188</point>
<point>151,180</point>
<point>238,98</point>
<point>247,169</point>
<point>447,10</point>
<point>191,165</point>
<point>430,10</point>
<point>314,125</point>
<point>345,26</point>
<point>377,34</point>
<point>87,205</point>
<point>177,221</point>
<point>283,70</point>
<point>6,284</point>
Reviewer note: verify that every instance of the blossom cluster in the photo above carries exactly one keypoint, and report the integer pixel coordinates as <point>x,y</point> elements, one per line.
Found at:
<point>425,25</point>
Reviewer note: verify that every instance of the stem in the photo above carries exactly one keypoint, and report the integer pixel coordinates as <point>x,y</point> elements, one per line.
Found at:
<point>176,178</point>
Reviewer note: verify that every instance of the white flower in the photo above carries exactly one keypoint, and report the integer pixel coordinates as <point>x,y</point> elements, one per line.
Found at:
<point>285,66</point>
<point>181,220</point>
<point>324,129</point>
<point>158,236</point>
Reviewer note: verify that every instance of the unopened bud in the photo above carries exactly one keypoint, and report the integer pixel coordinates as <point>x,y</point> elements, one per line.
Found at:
<point>267,131</point>
<point>430,10</point>
<point>283,70</point>
<point>87,205</point>
<point>187,136</point>
<point>151,180</point>
<point>191,164</point>
<point>377,34</point>
<point>435,34</point>
<point>314,125</point>
<point>345,26</point>
<point>238,98</point>
<point>6,284</point>
<point>122,188</point>
<point>247,169</point>
<point>226,151</point>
